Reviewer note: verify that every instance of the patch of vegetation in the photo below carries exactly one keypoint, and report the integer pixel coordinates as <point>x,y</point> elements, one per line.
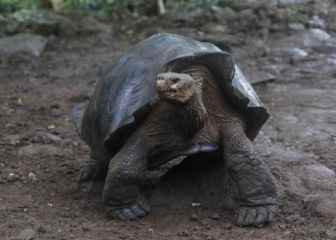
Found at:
<point>297,14</point>
<point>108,6</point>
<point>14,5</point>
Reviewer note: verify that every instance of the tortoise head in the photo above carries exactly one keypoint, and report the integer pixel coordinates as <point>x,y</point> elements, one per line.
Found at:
<point>175,87</point>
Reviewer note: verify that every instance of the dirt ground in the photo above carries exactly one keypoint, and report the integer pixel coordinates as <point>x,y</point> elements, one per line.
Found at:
<point>40,150</point>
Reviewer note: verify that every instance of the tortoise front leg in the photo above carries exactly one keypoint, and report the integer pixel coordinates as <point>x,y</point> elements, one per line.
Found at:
<point>257,192</point>
<point>126,171</point>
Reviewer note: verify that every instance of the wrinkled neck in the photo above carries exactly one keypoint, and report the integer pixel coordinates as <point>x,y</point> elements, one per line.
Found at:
<point>194,113</point>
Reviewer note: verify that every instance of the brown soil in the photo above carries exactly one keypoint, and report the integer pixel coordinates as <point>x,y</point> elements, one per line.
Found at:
<point>40,150</point>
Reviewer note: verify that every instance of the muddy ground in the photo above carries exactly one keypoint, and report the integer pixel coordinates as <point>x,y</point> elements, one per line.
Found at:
<point>40,150</point>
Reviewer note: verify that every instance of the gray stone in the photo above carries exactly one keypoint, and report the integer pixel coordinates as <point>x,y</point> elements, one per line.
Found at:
<point>13,139</point>
<point>32,177</point>
<point>291,2</point>
<point>322,205</point>
<point>27,234</point>
<point>312,38</point>
<point>282,154</point>
<point>12,177</point>
<point>292,53</point>
<point>317,177</point>
<point>296,27</point>
<point>297,54</point>
<point>34,149</point>
<point>221,14</point>
<point>23,43</point>
<point>317,22</point>
<point>44,22</point>
<point>315,37</point>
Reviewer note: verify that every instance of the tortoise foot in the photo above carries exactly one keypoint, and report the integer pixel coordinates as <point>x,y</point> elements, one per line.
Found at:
<point>132,212</point>
<point>254,216</point>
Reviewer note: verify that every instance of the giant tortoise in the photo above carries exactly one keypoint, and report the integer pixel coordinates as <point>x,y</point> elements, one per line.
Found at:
<point>172,96</point>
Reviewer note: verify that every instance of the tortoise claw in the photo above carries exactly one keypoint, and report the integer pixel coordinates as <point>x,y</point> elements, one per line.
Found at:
<point>254,216</point>
<point>130,213</point>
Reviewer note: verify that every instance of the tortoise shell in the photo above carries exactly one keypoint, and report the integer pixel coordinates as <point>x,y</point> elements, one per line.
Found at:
<point>126,91</point>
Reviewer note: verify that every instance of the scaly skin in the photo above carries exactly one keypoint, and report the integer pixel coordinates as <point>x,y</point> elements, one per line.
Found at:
<point>188,114</point>
<point>257,192</point>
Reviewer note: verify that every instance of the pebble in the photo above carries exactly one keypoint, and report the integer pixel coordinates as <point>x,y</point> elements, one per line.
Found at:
<point>32,177</point>
<point>297,54</point>
<point>194,217</point>
<point>296,27</point>
<point>12,177</point>
<point>184,233</point>
<point>215,216</point>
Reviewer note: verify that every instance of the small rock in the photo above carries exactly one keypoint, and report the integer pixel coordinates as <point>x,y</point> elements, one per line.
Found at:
<point>331,233</point>
<point>215,216</point>
<point>315,37</point>
<point>13,139</point>
<point>291,2</point>
<point>194,217</point>
<point>221,14</point>
<point>41,229</point>
<point>51,126</point>
<point>56,112</point>
<point>324,206</point>
<point>34,149</point>
<point>317,22</point>
<point>319,34</point>
<point>27,234</point>
<point>32,177</point>
<point>23,43</point>
<point>184,233</point>
<point>12,177</point>
<point>296,27</point>
<point>45,137</point>
<point>297,54</point>
<point>217,28</point>
<point>318,177</point>
<point>195,204</point>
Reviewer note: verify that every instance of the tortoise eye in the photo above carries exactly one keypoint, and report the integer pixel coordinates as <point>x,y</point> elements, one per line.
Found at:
<point>175,80</point>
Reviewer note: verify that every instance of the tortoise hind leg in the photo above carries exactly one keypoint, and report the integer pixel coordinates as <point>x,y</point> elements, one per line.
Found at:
<point>93,172</point>
<point>257,192</point>
<point>126,172</point>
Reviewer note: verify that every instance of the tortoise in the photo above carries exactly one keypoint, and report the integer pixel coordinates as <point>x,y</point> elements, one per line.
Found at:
<point>171,96</point>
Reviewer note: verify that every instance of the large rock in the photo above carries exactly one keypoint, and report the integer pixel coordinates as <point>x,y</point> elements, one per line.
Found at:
<point>317,177</point>
<point>22,43</point>
<point>37,149</point>
<point>44,22</point>
<point>315,37</point>
<point>312,38</point>
<point>317,22</point>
